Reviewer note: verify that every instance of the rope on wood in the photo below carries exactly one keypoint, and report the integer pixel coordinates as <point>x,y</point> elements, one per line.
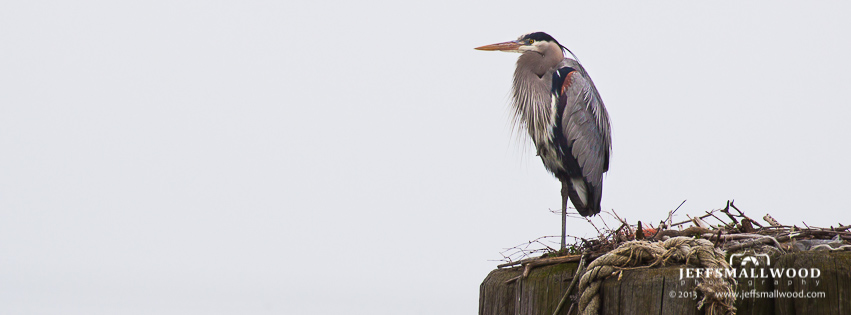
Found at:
<point>643,254</point>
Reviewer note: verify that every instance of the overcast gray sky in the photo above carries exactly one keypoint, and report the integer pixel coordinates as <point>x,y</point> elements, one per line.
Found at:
<point>287,157</point>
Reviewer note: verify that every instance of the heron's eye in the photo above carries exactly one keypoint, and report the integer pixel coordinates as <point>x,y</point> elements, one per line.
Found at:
<point>531,41</point>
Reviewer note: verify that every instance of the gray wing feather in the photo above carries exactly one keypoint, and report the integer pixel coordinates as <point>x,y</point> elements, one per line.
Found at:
<point>586,127</point>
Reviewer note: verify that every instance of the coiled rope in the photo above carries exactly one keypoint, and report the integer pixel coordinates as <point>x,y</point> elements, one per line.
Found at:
<point>681,250</point>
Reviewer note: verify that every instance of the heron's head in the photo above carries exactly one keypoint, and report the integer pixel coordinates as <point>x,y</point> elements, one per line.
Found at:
<point>539,42</point>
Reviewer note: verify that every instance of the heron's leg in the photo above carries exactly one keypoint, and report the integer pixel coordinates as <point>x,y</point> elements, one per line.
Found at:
<point>563,213</point>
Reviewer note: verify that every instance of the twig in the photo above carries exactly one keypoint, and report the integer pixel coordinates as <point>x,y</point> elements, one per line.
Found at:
<point>604,223</point>
<point>726,211</point>
<point>549,261</point>
<point>528,249</point>
<point>514,263</point>
<point>629,229</point>
<point>733,204</point>
<point>717,238</point>
<point>671,213</point>
<point>658,231</point>
<point>768,218</point>
<point>512,280</point>
<point>747,227</point>
<point>689,220</point>
<point>698,222</point>
<point>616,216</point>
<point>527,268</point>
<point>690,231</point>
<point>600,234</point>
<point>716,218</point>
<point>617,233</point>
<point>622,220</point>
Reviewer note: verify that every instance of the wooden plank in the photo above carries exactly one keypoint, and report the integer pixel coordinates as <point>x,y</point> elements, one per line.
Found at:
<point>648,291</point>
<point>495,295</point>
<point>755,305</point>
<point>842,266</point>
<point>834,281</point>
<point>678,296</point>
<point>539,293</point>
<point>544,287</point>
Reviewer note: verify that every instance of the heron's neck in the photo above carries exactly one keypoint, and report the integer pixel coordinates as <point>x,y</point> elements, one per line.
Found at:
<point>540,62</point>
<point>533,99</point>
<point>533,102</point>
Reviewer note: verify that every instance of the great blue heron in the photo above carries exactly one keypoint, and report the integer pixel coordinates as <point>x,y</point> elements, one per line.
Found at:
<point>556,102</point>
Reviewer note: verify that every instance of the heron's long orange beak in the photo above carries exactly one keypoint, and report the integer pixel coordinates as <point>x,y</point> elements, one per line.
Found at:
<point>512,46</point>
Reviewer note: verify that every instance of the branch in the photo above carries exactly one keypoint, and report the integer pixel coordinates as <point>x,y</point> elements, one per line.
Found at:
<point>671,213</point>
<point>726,211</point>
<point>732,204</point>
<point>768,218</point>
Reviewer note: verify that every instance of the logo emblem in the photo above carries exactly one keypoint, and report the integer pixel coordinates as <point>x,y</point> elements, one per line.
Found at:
<point>754,259</point>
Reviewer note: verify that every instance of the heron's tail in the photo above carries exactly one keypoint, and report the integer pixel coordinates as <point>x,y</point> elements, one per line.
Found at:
<point>584,197</point>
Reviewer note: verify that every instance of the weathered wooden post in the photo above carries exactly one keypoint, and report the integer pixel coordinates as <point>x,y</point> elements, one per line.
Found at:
<point>504,291</point>
<point>661,291</point>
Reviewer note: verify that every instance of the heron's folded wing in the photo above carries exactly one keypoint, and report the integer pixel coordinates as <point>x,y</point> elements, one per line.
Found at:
<point>585,126</point>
